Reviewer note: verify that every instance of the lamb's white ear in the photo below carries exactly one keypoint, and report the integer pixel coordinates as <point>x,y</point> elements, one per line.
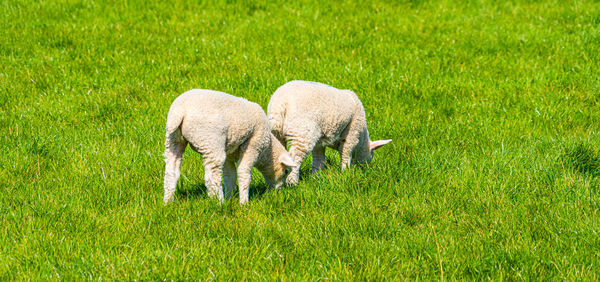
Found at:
<point>286,160</point>
<point>374,145</point>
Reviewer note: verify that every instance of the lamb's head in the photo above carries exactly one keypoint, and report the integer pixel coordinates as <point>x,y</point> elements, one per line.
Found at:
<point>364,152</point>
<point>276,164</point>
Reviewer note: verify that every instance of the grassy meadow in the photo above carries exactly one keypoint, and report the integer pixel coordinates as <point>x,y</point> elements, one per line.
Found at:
<point>493,106</point>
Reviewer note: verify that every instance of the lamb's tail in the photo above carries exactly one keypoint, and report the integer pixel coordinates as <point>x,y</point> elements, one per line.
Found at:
<point>276,120</point>
<point>173,130</point>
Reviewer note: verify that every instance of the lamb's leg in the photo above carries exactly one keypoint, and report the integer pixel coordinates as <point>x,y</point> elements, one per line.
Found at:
<point>174,149</point>
<point>229,177</point>
<point>318,155</point>
<point>244,172</point>
<point>299,149</point>
<point>345,151</point>
<point>213,166</point>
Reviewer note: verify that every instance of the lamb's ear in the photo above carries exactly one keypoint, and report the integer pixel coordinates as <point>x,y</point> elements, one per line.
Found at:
<point>286,160</point>
<point>374,145</point>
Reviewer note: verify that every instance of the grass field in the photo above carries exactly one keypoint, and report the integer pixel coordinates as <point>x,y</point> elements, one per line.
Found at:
<point>494,171</point>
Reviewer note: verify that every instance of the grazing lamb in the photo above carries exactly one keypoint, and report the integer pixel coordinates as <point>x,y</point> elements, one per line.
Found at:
<point>226,130</point>
<point>312,116</point>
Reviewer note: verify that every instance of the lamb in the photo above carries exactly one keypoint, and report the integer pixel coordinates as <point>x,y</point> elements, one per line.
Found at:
<point>225,130</point>
<point>313,116</point>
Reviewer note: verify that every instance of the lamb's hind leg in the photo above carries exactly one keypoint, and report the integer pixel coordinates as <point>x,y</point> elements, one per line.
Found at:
<point>174,148</point>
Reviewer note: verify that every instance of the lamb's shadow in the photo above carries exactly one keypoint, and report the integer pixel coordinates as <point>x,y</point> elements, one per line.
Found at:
<point>193,192</point>
<point>330,162</point>
<point>199,192</point>
<point>256,191</point>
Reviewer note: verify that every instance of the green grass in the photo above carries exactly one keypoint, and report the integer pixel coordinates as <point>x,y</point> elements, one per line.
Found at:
<point>494,171</point>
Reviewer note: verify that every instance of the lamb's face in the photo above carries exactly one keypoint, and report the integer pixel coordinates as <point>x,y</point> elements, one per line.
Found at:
<point>280,165</point>
<point>362,156</point>
<point>280,173</point>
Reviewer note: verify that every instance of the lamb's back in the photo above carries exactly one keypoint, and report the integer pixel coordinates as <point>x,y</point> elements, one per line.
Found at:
<point>321,103</point>
<point>212,112</point>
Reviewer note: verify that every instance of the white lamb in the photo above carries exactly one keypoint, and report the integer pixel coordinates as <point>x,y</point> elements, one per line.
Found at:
<point>312,116</point>
<point>226,130</point>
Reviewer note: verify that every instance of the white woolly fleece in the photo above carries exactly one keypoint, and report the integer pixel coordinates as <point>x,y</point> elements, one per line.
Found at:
<point>313,116</point>
<point>226,130</point>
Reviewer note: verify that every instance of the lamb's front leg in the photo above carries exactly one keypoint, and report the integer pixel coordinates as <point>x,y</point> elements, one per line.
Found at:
<point>345,149</point>
<point>244,172</point>
<point>298,151</point>
<point>247,158</point>
<point>213,167</point>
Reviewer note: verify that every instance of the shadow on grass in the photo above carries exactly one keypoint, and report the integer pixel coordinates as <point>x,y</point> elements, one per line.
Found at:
<point>583,158</point>
<point>194,192</point>
<point>200,192</point>
<point>330,163</point>
<point>257,191</point>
